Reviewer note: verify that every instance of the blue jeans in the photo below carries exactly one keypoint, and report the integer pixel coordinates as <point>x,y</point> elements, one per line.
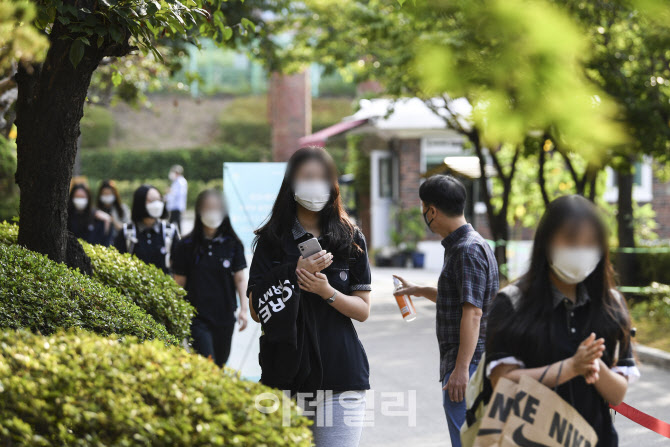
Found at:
<point>455,411</point>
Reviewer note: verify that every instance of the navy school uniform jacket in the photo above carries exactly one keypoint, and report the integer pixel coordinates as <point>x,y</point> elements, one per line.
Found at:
<point>335,347</point>
<point>150,244</point>
<point>90,229</point>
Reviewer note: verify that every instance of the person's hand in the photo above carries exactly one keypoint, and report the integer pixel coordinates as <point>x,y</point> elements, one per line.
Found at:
<point>242,319</point>
<point>103,216</point>
<point>315,283</point>
<point>593,375</point>
<point>457,383</point>
<point>316,262</point>
<point>585,361</point>
<point>408,288</point>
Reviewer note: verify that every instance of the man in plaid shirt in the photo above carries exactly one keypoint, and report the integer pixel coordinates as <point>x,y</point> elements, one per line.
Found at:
<point>468,282</point>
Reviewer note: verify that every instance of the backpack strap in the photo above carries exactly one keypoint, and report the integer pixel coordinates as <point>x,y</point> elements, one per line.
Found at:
<point>170,232</point>
<point>130,236</point>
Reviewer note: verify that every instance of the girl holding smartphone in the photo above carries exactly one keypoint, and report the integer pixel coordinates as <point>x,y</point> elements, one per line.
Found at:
<point>334,286</point>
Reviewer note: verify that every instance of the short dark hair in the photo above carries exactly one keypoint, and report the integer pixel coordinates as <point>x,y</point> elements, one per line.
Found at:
<point>444,192</point>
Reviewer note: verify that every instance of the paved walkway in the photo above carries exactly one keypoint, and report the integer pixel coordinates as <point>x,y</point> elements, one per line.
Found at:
<point>404,356</point>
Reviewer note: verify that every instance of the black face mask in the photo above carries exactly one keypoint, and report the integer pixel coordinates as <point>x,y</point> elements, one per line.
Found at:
<point>425,219</point>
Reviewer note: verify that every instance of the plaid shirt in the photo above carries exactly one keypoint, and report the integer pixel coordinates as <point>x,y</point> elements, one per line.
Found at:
<point>469,275</point>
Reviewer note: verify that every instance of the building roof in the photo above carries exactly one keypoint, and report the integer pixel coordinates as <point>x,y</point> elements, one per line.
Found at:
<point>409,113</point>
<point>403,118</point>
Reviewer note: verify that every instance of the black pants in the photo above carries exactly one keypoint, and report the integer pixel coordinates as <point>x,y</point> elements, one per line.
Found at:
<point>175,218</point>
<point>212,341</point>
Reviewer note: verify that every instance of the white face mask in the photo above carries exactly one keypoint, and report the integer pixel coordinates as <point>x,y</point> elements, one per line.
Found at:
<point>107,199</point>
<point>573,265</point>
<point>155,208</point>
<point>312,194</point>
<point>80,203</point>
<point>212,218</point>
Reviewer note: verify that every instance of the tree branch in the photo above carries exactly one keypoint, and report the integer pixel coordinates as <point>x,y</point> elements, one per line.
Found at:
<point>540,176</point>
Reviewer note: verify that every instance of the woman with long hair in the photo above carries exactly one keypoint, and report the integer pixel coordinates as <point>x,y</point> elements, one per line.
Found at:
<point>84,221</point>
<point>334,288</point>
<point>148,235</point>
<point>110,202</point>
<point>209,263</point>
<point>565,318</point>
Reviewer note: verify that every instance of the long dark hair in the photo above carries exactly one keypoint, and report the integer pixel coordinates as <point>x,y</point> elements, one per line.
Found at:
<point>337,230</point>
<point>117,205</point>
<point>85,215</point>
<point>139,210</point>
<point>225,229</point>
<point>608,316</point>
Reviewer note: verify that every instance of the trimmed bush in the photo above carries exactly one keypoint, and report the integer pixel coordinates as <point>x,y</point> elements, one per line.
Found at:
<point>147,286</point>
<point>127,187</point>
<point>9,192</point>
<point>656,306</point>
<point>137,165</point>
<point>78,389</point>
<point>39,294</point>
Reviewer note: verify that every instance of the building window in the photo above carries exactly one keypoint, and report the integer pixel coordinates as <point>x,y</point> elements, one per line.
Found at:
<point>643,179</point>
<point>385,177</point>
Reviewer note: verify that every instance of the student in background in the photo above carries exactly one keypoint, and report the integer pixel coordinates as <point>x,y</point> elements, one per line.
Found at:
<point>84,221</point>
<point>209,263</point>
<point>110,202</point>
<point>148,236</point>
<point>566,315</point>
<point>177,195</point>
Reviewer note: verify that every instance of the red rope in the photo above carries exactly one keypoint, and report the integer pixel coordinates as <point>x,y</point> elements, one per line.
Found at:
<point>643,419</point>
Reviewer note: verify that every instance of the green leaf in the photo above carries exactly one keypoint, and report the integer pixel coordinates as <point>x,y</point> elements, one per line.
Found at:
<point>101,40</point>
<point>84,40</point>
<point>76,52</point>
<point>248,24</point>
<point>117,77</point>
<point>64,20</point>
<point>227,33</point>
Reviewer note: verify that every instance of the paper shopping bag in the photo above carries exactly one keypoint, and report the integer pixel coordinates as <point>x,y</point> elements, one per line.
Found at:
<point>530,414</point>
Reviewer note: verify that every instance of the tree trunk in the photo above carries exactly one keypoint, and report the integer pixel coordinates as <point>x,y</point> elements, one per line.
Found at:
<point>497,221</point>
<point>626,262</point>
<point>49,107</point>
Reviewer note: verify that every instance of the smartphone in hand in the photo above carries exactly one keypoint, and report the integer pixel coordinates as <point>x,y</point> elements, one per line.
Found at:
<point>309,247</point>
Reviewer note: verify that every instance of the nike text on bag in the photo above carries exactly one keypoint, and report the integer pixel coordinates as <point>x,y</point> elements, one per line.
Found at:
<point>529,414</point>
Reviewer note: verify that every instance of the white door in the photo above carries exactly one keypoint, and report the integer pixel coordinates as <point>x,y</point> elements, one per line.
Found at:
<point>382,174</point>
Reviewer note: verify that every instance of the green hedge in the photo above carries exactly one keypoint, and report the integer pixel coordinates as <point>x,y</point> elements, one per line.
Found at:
<point>147,286</point>
<point>127,187</point>
<point>9,192</point>
<point>656,306</point>
<point>78,389</point>
<point>42,295</point>
<point>199,164</point>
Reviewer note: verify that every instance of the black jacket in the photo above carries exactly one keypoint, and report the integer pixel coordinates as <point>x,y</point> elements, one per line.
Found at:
<point>289,353</point>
